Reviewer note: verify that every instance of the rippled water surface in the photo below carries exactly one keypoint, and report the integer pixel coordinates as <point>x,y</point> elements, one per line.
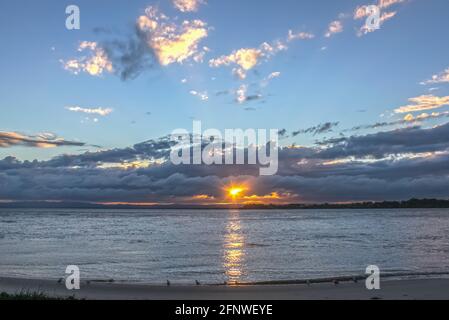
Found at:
<point>220,245</point>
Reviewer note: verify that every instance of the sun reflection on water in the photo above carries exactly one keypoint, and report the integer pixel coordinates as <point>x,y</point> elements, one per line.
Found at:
<point>234,249</point>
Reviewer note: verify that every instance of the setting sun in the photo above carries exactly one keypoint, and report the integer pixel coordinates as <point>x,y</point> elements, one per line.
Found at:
<point>234,192</point>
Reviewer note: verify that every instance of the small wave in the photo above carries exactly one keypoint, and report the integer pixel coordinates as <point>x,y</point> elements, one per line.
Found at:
<point>392,276</point>
<point>254,245</point>
<point>138,241</point>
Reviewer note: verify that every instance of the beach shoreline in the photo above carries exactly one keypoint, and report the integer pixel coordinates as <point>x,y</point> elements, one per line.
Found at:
<point>398,289</point>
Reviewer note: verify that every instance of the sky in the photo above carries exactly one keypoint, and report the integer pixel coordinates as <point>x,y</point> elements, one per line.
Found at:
<point>362,114</point>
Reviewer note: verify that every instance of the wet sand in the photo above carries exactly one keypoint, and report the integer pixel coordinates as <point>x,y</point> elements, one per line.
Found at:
<point>390,289</point>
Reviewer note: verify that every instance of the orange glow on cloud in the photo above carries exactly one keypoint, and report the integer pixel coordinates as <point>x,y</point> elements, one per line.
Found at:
<point>202,197</point>
<point>95,64</point>
<point>172,43</point>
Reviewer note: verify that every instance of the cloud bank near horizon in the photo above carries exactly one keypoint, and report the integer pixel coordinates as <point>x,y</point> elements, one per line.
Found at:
<point>391,165</point>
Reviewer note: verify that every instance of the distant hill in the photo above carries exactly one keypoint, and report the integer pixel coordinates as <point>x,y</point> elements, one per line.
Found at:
<point>409,204</point>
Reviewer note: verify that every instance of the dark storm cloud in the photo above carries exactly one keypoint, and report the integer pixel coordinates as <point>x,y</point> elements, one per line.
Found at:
<point>407,140</point>
<point>282,133</point>
<point>139,185</point>
<point>358,188</point>
<point>307,174</point>
<point>158,149</point>
<point>253,97</point>
<point>316,130</point>
<point>130,56</point>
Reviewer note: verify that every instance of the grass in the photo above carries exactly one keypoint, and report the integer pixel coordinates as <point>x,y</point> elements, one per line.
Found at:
<point>29,296</point>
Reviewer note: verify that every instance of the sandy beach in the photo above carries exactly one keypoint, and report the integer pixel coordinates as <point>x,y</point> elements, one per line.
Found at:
<point>408,289</point>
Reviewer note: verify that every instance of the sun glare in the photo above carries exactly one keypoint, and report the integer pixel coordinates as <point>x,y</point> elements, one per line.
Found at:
<point>235,191</point>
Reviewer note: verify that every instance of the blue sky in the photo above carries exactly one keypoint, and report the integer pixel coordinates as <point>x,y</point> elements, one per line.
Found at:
<point>345,79</point>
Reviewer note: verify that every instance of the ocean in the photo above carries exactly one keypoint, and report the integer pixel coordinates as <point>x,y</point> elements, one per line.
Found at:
<point>214,246</point>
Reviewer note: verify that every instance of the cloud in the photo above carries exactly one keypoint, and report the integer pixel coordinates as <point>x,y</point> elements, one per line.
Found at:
<point>202,95</point>
<point>363,11</point>
<point>319,129</point>
<point>299,36</point>
<point>130,55</point>
<point>155,39</point>
<point>247,58</point>
<point>99,111</point>
<point>282,133</point>
<point>188,5</point>
<point>94,64</point>
<point>381,144</point>
<point>425,116</point>
<point>239,73</point>
<point>154,150</point>
<point>241,95</point>
<point>408,119</point>
<point>334,28</point>
<point>41,140</point>
<point>171,43</point>
<point>222,93</point>
<point>424,102</point>
<point>274,75</point>
<point>387,3</point>
<point>270,77</point>
<point>385,16</point>
<point>397,164</point>
<point>438,78</point>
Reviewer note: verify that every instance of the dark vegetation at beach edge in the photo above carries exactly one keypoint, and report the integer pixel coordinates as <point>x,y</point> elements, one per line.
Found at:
<point>29,296</point>
<point>409,204</point>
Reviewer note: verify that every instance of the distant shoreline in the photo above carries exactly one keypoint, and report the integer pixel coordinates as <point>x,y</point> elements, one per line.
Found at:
<point>409,204</point>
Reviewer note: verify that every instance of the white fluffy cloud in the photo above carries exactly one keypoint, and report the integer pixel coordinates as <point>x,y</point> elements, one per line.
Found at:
<point>424,102</point>
<point>333,28</point>
<point>94,64</point>
<point>385,16</point>
<point>99,111</point>
<point>299,36</point>
<point>363,11</point>
<point>438,78</point>
<point>203,96</point>
<point>170,42</point>
<point>246,59</point>
<point>188,5</point>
